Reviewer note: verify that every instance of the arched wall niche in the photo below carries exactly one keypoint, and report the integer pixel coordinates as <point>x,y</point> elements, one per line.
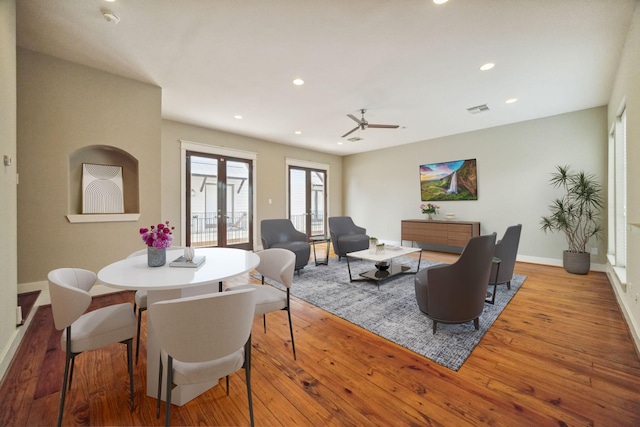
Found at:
<point>103,155</point>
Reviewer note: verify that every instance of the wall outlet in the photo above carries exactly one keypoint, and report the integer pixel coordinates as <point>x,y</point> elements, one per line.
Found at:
<point>594,251</point>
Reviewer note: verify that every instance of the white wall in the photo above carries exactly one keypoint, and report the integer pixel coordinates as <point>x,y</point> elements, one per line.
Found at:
<point>626,91</point>
<point>514,165</point>
<point>8,206</point>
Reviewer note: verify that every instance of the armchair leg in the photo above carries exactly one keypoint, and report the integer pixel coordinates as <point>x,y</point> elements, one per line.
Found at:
<point>435,325</point>
<point>476,323</point>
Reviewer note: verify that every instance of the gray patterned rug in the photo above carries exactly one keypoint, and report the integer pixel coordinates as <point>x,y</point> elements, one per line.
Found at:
<point>391,311</point>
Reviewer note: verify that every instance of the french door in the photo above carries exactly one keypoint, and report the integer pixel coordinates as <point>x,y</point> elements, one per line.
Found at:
<point>219,201</point>
<point>308,200</point>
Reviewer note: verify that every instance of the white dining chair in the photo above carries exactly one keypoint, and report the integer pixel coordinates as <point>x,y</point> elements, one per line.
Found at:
<point>70,298</point>
<point>278,265</point>
<point>202,339</point>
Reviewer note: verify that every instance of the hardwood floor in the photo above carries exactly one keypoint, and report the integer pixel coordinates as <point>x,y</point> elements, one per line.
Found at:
<point>559,354</point>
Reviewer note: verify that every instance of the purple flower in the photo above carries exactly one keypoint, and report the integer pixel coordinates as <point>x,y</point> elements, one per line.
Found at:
<point>158,236</point>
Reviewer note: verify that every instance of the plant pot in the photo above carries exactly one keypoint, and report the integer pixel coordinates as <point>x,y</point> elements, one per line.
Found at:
<point>576,262</point>
<point>156,257</point>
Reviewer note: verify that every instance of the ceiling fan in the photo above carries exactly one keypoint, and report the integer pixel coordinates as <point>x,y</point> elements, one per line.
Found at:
<point>363,124</point>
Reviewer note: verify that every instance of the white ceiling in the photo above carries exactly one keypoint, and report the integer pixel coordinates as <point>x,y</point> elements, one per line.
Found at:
<point>409,62</point>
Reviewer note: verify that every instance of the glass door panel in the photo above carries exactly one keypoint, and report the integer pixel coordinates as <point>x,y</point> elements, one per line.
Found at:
<point>219,201</point>
<point>307,200</point>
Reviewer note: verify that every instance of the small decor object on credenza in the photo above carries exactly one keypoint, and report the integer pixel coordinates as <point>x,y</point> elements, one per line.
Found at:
<point>430,210</point>
<point>157,238</point>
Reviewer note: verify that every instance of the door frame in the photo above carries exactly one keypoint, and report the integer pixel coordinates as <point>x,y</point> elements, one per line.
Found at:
<point>309,165</point>
<point>218,151</point>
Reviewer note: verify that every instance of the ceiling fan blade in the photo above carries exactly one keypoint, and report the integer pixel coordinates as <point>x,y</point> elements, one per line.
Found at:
<point>357,120</point>
<point>351,131</point>
<point>384,126</point>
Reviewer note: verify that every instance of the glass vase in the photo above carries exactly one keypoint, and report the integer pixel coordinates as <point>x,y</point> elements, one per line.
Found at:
<point>156,257</point>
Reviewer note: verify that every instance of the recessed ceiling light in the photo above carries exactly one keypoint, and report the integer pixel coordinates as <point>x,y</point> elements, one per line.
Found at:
<point>440,1</point>
<point>298,132</point>
<point>340,143</point>
<point>487,66</point>
<point>110,16</point>
<point>110,1</point>
<point>298,82</point>
<point>237,116</point>
<point>511,100</point>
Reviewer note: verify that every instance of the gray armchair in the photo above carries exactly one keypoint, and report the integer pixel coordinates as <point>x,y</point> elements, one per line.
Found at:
<point>346,236</point>
<point>455,293</point>
<point>507,250</point>
<point>280,233</point>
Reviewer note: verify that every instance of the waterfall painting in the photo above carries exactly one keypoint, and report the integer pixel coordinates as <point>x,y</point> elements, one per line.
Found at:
<point>457,180</point>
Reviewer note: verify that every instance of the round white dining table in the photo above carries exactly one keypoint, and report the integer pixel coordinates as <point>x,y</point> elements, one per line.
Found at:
<point>166,282</point>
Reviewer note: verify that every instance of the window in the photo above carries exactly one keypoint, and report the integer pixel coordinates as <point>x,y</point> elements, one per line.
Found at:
<point>617,204</point>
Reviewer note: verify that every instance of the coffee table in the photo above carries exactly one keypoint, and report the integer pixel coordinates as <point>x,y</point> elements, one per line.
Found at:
<point>385,268</point>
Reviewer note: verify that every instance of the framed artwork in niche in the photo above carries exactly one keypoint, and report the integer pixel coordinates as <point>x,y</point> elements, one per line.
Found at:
<point>102,191</point>
<point>456,180</point>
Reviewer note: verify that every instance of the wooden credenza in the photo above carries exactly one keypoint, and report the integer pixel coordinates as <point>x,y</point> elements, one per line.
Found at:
<point>437,232</point>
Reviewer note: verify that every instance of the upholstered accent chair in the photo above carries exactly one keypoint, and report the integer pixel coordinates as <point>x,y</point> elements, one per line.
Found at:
<point>280,233</point>
<point>507,251</point>
<point>84,331</point>
<point>202,339</point>
<point>278,265</point>
<point>455,293</point>
<point>346,236</point>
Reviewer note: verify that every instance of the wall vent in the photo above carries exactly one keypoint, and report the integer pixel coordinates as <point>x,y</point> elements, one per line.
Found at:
<point>478,109</point>
<point>354,139</point>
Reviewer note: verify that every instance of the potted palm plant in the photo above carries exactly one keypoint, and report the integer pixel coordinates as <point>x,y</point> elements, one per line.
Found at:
<point>576,214</point>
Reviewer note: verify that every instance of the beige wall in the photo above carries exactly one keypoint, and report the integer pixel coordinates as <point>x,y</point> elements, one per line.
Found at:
<point>270,170</point>
<point>626,91</point>
<point>8,237</point>
<point>514,165</point>
<point>63,107</point>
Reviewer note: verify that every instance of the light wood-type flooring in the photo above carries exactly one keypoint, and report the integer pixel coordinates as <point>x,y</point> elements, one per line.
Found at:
<point>559,354</point>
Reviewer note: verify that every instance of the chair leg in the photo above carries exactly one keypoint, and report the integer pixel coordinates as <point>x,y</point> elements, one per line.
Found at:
<point>73,364</point>
<point>227,385</point>
<point>293,344</point>
<point>68,357</point>
<point>159,388</point>
<point>476,323</point>
<point>130,366</point>
<point>509,284</point>
<point>247,372</point>
<point>435,324</point>
<point>138,335</point>
<point>167,412</point>
<point>264,321</point>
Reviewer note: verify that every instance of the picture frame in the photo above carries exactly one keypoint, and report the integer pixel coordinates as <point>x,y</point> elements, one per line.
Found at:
<point>454,180</point>
<point>102,189</point>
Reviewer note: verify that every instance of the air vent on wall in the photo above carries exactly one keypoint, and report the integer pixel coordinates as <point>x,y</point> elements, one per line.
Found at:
<point>478,109</point>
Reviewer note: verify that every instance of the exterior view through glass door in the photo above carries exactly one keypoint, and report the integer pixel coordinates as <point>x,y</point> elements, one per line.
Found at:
<point>219,201</point>
<point>308,200</point>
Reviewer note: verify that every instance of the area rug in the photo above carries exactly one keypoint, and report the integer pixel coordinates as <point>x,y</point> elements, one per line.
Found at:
<point>391,310</point>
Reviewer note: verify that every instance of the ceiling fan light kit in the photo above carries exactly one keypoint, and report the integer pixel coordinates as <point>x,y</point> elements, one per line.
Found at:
<point>363,124</point>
